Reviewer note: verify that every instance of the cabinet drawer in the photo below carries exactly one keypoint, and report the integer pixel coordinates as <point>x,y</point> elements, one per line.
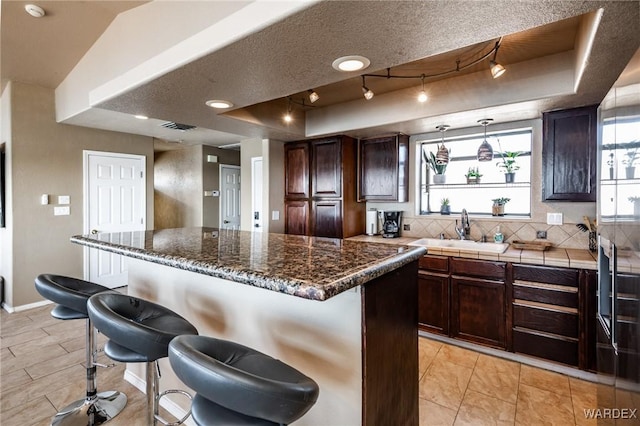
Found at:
<point>478,268</point>
<point>553,295</point>
<point>545,274</point>
<point>545,346</point>
<point>434,263</point>
<point>543,319</point>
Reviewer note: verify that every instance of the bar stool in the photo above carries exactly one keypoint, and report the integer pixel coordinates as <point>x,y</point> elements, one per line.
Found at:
<point>139,331</point>
<point>237,385</point>
<point>70,296</point>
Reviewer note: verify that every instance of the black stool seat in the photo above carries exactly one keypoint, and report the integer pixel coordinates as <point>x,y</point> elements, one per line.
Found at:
<point>69,293</point>
<point>141,330</point>
<point>239,385</point>
<point>71,296</point>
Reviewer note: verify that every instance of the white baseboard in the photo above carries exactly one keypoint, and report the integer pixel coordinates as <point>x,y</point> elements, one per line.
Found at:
<point>12,309</point>
<point>173,408</point>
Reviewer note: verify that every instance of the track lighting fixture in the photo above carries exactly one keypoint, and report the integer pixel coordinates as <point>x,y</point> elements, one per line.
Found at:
<point>422,97</point>
<point>496,69</point>
<point>313,96</point>
<point>485,150</point>
<point>368,94</point>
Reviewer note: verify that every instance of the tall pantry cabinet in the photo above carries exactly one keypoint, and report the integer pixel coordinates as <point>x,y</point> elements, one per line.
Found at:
<point>320,188</point>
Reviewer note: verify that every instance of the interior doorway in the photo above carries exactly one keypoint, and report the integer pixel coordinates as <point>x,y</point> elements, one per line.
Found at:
<point>115,202</point>
<point>256,194</point>
<point>229,197</point>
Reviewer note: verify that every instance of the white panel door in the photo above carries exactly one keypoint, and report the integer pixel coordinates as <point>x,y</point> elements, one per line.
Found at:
<point>229,197</point>
<point>256,193</point>
<point>116,203</point>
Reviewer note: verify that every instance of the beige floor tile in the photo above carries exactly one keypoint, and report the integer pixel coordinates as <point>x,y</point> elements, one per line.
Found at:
<point>480,409</point>
<point>584,396</point>
<point>427,350</point>
<point>543,379</point>
<point>456,355</point>
<point>17,378</point>
<point>538,406</point>
<point>496,377</point>
<point>32,412</point>
<point>42,354</point>
<point>66,329</point>
<point>24,337</point>
<point>445,383</point>
<point>54,364</point>
<point>435,415</point>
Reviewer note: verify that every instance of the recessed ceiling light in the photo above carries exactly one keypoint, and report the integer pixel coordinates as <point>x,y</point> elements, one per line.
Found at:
<point>351,63</point>
<point>35,11</point>
<point>218,103</point>
<point>141,117</point>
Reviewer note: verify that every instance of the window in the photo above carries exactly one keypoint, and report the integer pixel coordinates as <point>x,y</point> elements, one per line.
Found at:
<point>620,163</point>
<point>476,197</point>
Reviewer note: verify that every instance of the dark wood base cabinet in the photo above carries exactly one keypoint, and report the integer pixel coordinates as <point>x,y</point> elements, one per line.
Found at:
<point>542,311</point>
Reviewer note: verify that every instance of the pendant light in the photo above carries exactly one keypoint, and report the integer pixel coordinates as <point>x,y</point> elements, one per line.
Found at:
<point>485,150</point>
<point>422,97</point>
<point>442,155</point>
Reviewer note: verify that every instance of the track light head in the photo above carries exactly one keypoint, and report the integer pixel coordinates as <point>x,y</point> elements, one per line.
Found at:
<point>368,94</point>
<point>313,95</point>
<point>496,69</point>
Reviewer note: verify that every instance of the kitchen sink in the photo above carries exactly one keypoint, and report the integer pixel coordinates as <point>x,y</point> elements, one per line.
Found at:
<point>466,245</point>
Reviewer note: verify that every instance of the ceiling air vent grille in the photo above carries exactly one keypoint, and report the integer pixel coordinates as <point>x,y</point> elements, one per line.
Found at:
<point>177,126</point>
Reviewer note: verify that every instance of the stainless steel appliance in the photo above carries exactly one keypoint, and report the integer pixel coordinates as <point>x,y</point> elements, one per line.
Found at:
<point>618,294</point>
<point>391,225</point>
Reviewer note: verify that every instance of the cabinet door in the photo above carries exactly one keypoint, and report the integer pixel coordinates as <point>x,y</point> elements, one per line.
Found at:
<point>433,302</point>
<point>296,216</point>
<point>327,218</point>
<point>326,168</point>
<point>296,179</point>
<point>569,155</point>
<point>383,168</point>
<point>478,311</point>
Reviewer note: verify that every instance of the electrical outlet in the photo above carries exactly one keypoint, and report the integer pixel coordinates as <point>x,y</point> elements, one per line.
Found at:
<point>406,227</point>
<point>541,235</point>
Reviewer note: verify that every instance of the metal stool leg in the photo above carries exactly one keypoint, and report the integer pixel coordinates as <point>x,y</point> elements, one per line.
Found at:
<point>154,396</point>
<point>96,408</point>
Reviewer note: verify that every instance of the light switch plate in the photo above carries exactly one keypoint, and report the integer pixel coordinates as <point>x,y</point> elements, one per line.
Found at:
<point>61,211</point>
<point>64,199</point>
<point>275,215</point>
<point>554,218</point>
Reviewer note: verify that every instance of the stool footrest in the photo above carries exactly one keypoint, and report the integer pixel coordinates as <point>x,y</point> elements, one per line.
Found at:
<point>165,393</point>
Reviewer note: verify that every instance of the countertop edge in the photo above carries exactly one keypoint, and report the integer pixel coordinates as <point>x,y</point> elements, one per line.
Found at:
<point>289,286</point>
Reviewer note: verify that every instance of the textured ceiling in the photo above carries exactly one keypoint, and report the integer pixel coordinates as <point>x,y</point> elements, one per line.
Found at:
<point>294,54</point>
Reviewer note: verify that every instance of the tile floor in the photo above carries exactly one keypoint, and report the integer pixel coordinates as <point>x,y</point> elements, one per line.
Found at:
<point>41,370</point>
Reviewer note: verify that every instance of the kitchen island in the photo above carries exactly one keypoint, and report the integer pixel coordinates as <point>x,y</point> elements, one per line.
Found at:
<point>342,312</point>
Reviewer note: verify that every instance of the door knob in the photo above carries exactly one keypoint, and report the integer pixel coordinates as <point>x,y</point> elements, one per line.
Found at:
<point>225,221</point>
<point>94,231</point>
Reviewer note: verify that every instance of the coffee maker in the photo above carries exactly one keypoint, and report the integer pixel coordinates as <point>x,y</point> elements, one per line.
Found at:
<point>391,224</point>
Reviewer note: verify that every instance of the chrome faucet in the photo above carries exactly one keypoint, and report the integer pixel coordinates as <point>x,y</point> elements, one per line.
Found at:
<point>465,226</point>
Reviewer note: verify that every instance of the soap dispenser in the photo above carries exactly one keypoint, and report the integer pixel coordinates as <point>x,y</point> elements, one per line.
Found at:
<point>498,237</point>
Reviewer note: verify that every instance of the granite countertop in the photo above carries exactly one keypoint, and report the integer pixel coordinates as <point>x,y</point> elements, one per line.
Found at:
<point>307,267</point>
<point>570,258</point>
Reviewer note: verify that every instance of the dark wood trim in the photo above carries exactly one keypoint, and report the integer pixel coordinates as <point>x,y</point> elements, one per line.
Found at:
<point>390,349</point>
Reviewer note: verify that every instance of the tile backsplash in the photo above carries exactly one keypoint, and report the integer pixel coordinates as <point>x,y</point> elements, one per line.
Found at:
<point>562,236</point>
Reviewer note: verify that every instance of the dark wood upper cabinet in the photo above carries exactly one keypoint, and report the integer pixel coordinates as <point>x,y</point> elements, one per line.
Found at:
<point>296,178</point>
<point>569,154</point>
<point>383,168</point>
<point>326,168</point>
<point>320,188</point>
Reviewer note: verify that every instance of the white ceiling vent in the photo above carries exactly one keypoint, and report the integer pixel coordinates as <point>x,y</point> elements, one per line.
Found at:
<point>177,126</point>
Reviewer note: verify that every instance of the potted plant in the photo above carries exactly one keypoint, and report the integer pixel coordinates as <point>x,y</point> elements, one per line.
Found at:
<point>438,167</point>
<point>445,208</point>
<point>636,205</point>
<point>498,206</point>
<point>508,165</point>
<point>473,175</point>
<point>630,160</point>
